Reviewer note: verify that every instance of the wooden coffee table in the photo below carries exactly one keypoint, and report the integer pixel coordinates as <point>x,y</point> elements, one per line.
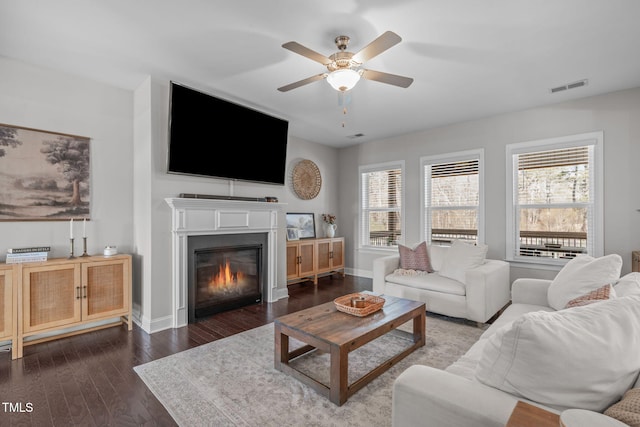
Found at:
<point>325,328</point>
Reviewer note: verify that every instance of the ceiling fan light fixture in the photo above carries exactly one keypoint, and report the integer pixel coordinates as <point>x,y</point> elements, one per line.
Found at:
<point>344,79</point>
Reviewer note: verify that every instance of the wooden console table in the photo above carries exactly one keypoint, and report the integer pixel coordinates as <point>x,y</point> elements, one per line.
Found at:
<point>63,297</point>
<point>527,415</point>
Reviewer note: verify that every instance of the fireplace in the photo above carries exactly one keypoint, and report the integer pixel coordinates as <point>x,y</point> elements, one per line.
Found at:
<point>225,272</point>
<point>201,224</point>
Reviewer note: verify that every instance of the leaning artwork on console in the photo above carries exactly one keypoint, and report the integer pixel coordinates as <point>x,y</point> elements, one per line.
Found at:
<point>302,222</point>
<point>44,176</point>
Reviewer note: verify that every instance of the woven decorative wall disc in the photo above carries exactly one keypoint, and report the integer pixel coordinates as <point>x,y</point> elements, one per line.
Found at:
<point>306,179</point>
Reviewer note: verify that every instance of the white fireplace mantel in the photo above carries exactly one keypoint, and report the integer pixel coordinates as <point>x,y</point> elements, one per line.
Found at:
<point>197,217</point>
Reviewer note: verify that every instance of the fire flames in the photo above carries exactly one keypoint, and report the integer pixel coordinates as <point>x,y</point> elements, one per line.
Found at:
<point>225,277</point>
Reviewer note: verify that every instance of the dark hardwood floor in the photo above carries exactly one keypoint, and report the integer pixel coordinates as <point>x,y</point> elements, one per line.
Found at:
<point>88,379</point>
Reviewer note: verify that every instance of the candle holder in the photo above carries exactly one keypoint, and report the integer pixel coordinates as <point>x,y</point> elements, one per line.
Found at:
<point>84,247</point>
<point>71,255</point>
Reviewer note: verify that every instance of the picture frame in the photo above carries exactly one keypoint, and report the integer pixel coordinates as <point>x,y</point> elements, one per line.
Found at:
<point>46,175</point>
<point>292,234</point>
<point>304,223</point>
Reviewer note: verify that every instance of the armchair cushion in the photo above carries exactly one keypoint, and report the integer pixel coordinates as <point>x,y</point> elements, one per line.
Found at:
<point>460,257</point>
<point>582,275</point>
<point>600,341</point>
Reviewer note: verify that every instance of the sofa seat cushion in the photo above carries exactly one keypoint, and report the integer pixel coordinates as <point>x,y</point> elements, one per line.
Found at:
<point>432,282</point>
<point>529,357</point>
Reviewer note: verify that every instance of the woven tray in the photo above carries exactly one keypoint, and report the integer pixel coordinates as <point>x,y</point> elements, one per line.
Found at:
<point>372,304</point>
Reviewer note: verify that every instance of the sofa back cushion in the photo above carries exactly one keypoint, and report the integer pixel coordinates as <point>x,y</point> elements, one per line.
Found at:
<point>437,254</point>
<point>583,357</point>
<point>582,275</point>
<point>628,284</point>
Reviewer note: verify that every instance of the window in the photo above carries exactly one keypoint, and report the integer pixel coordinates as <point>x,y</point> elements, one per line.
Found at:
<point>381,214</point>
<point>453,197</point>
<point>554,198</point>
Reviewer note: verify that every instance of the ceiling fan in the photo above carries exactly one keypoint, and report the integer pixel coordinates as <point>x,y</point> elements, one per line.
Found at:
<point>344,67</point>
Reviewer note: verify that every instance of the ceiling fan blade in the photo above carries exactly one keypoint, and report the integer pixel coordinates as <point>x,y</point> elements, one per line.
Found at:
<point>305,51</point>
<point>391,79</point>
<point>376,47</point>
<point>302,82</point>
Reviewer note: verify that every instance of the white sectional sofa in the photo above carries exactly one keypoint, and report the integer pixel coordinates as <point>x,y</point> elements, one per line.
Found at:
<point>584,357</point>
<point>479,294</point>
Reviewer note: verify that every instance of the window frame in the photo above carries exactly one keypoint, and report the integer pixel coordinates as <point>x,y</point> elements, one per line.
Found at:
<point>595,237</point>
<point>460,156</point>
<point>363,226</point>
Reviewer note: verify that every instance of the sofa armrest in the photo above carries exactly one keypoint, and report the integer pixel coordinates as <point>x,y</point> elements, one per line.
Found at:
<point>488,289</point>
<point>429,397</point>
<point>530,291</point>
<point>382,267</point>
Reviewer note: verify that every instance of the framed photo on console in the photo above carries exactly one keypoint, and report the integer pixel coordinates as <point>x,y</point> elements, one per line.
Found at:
<point>304,223</point>
<point>292,234</point>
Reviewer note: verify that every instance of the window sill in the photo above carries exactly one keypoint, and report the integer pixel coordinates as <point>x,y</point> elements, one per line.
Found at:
<point>536,265</point>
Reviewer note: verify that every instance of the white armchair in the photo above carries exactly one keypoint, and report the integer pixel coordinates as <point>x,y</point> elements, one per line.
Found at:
<point>485,291</point>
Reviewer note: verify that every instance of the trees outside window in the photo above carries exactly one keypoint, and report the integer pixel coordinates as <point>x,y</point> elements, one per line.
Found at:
<point>453,202</point>
<point>381,201</point>
<point>555,202</point>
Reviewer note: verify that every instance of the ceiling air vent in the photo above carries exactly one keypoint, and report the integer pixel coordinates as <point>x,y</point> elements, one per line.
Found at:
<point>573,85</point>
<point>355,135</point>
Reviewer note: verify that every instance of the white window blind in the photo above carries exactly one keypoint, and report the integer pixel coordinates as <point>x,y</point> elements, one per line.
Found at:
<point>452,197</point>
<point>556,199</point>
<point>381,205</point>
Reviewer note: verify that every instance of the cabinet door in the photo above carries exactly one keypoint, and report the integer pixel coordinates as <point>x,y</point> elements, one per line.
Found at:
<point>50,296</point>
<point>292,261</point>
<point>7,324</point>
<point>105,289</point>
<point>307,264</point>
<point>323,248</point>
<point>337,253</point>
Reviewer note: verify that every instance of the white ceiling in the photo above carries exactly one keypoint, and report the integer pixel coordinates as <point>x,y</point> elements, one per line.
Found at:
<point>468,58</point>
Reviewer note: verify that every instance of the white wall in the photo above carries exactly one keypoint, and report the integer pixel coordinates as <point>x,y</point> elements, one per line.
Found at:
<point>617,114</point>
<point>47,100</point>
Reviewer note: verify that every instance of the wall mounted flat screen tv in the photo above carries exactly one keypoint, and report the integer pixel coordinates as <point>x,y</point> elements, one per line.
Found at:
<point>212,137</point>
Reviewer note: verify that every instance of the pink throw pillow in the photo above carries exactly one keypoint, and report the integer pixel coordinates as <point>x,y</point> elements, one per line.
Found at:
<point>600,294</point>
<point>415,259</point>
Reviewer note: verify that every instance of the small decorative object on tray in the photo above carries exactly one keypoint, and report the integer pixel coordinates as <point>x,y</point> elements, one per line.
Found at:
<point>359,304</point>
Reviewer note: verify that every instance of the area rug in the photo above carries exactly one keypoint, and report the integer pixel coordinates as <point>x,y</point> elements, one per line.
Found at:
<point>232,381</point>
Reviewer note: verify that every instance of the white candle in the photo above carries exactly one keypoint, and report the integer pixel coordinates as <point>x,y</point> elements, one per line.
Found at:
<point>71,229</point>
<point>84,227</point>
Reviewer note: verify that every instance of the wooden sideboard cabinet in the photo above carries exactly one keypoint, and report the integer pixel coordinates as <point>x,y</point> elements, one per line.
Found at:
<point>309,258</point>
<point>8,308</point>
<point>67,293</point>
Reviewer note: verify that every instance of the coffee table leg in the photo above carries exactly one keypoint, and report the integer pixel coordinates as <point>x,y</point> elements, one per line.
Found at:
<point>339,375</point>
<point>280,347</point>
<point>419,326</point>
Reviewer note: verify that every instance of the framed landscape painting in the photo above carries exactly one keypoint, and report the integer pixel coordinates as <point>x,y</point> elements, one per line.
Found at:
<point>44,176</point>
<point>303,223</point>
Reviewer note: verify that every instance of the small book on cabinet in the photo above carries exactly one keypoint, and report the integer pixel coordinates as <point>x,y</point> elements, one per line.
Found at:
<point>26,257</point>
<point>30,249</point>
